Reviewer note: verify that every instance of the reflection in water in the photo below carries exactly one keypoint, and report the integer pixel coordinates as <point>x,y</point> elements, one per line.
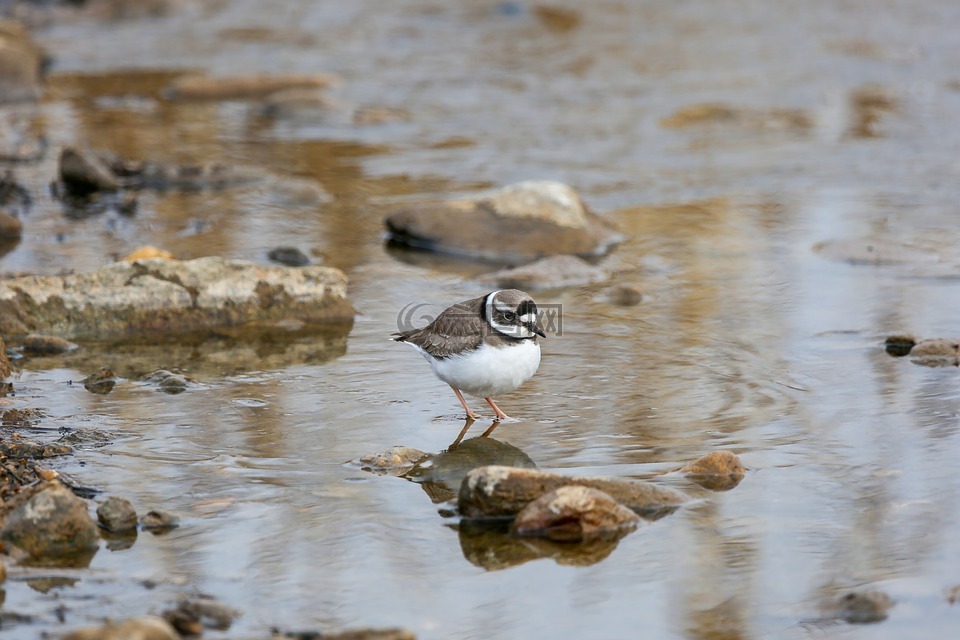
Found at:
<point>492,547</point>
<point>440,475</point>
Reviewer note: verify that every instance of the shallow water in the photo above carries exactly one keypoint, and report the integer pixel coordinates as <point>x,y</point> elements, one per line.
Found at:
<point>747,338</point>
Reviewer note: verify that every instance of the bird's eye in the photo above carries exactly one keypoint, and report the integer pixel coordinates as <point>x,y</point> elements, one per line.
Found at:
<point>510,316</point>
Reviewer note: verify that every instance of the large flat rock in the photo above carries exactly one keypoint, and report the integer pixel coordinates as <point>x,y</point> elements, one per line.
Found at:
<point>157,296</point>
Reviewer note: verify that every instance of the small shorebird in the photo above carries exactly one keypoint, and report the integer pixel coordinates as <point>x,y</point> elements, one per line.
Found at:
<point>486,346</point>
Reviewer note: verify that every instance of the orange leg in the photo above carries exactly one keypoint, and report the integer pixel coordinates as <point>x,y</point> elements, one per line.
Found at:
<point>470,414</point>
<point>500,414</point>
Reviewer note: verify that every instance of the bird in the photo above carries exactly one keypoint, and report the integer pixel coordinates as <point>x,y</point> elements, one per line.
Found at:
<point>484,346</point>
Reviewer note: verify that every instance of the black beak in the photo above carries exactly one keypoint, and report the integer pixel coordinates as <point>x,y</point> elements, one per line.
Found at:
<point>537,330</point>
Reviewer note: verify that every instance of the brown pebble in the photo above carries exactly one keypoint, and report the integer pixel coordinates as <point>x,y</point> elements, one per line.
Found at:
<point>574,514</point>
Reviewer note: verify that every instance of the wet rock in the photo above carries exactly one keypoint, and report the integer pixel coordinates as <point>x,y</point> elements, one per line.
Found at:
<point>142,628</point>
<point>502,492</point>
<point>869,105</point>
<point>717,471</point>
<point>393,461</point>
<point>117,515</point>
<point>186,177</point>
<point>757,120</point>
<point>18,447</point>
<point>355,634</point>
<point>21,63</point>
<point>193,614</point>
<point>52,523</point>
<point>859,607</point>
<point>624,296</point>
<point>243,87</point>
<point>148,251</point>
<point>167,381</point>
<point>155,297</point>
<point>900,344</point>
<point>519,223</point>
<point>83,172</point>
<point>10,226</point>
<point>290,256</point>
<point>553,272</point>
<point>37,344</point>
<point>101,382</point>
<point>159,521</point>
<point>936,352</point>
<point>573,514</point>
<point>20,417</point>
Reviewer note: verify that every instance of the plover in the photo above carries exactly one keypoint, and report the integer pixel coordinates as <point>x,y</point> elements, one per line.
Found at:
<point>486,346</point>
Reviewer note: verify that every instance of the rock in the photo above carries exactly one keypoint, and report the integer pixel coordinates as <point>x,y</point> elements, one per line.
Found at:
<point>83,173</point>
<point>5,367</point>
<point>37,344</point>
<point>243,87</point>
<point>148,251</point>
<point>936,352</point>
<point>743,118</point>
<point>900,344</point>
<point>19,448</point>
<point>117,515</point>
<point>186,177</point>
<point>392,460</point>
<point>10,226</point>
<point>860,607</point>
<point>21,63</point>
<point>717,471</point>
<point>502,492</point>
<point>553,272</point>
<point>156,296</point>
<point>573,514</point>
<point>51,524</point>
<point>624,296</point>
<point>557,19</point>
<point>3,573</point>
<point>519,223</point>
<point>20,417</point>
<point>167,381</point>
<point>159,521</point>
<point>101,382</point>
<point>290,256</point>
<point>193,614</point>
<point>142,628</point>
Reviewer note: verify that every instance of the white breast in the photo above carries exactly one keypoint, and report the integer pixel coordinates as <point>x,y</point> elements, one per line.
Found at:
<point>490,371</point>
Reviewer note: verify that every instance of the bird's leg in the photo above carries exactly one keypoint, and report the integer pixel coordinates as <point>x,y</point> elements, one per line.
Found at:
<point>470,414</point>
<point>500,414</point>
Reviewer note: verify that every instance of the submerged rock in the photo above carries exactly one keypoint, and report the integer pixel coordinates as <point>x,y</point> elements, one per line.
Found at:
<point>624,296</point>
<point>900,344</point>
<point>553,272</point>
<point>393,461</point>
<point>83,173</point>
<point>717,471</point>
<point>193,614</point>
<point>869,106</point>
<point>859,607</point>
<point>743,118</point>
<point>37,344</point>
<point>10,226</point>
<point>573,514</point>
<point>167,381</point>
<point>244,87</point>
<point>157,296</point>
<point>502,492</point>
<point>518,223</point>
<point>117,515</point>
<point>289,256</point>
<point>101,382</point>
<point>142,628</point>
<point>159,521</point>
<point>51,524</point>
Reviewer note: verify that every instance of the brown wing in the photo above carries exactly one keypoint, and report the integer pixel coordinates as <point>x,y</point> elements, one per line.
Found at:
<point>458,328</point>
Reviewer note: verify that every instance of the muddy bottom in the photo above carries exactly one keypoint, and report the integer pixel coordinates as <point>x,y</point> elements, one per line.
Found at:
<point>785,178</point>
